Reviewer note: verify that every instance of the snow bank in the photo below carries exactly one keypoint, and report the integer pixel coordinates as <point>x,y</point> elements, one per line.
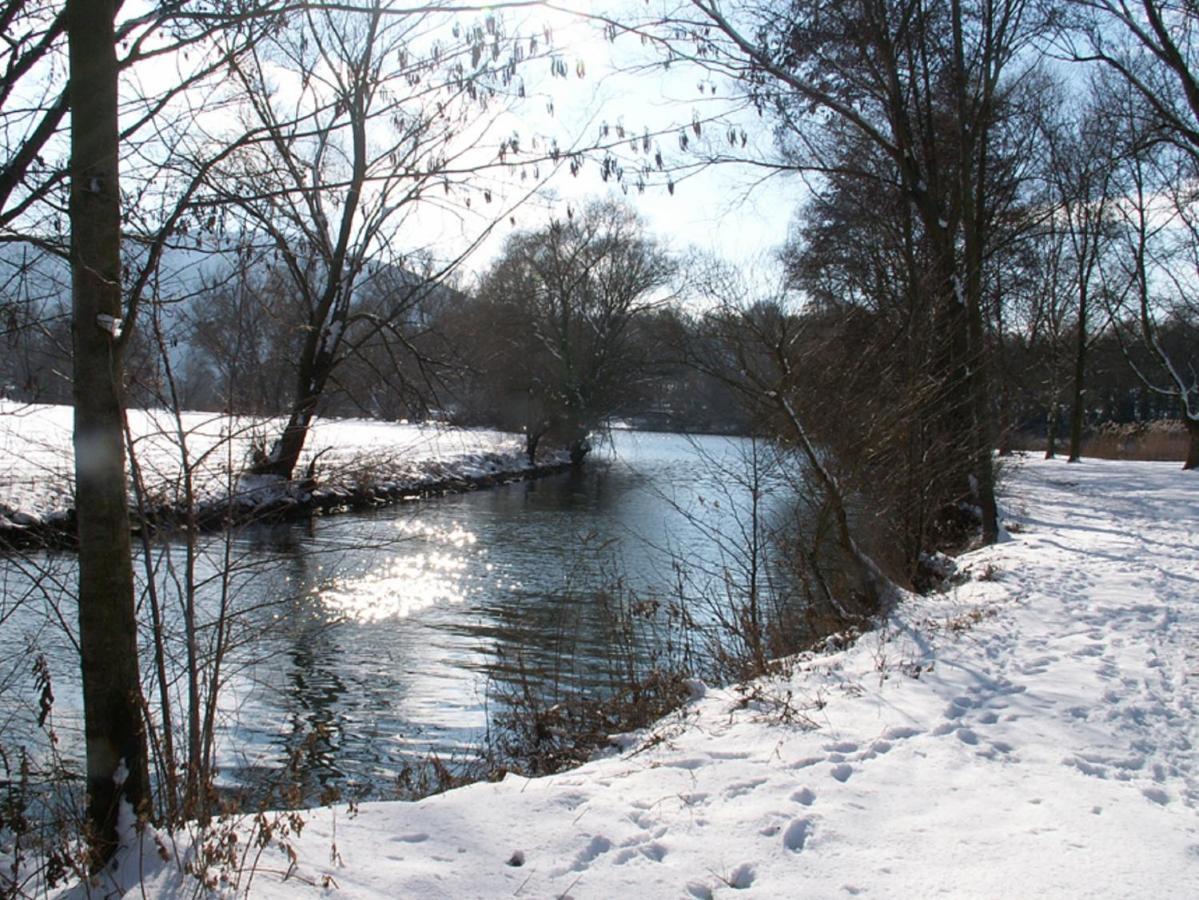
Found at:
<point>1030,733</point>
<point>36,456</point>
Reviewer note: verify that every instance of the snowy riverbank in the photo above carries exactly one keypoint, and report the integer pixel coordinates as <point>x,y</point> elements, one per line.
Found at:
<point>355,460</point>
<point>1028,733</point>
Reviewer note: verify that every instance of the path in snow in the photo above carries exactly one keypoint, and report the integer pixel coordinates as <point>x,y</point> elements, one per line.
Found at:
<point>1031,733</point>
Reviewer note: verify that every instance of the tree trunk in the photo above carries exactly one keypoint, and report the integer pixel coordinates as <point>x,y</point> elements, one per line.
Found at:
<point>1080,371</point>
<point>1192,460</point>
<point>113,728</point>
<point>314,370</point>
<point>284,455</point>
<point>1051,431</point>
<point>579,448</point>
<point>983,433</point>
<point>961,415</point>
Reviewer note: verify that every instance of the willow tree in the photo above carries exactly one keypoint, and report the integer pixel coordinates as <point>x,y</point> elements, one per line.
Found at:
<point>555,324</point>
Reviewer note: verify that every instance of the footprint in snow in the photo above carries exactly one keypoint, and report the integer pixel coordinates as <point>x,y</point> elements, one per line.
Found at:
<point>807,761</point>
<point>841,772</point>
<point>804,795</point>
<point>652,851</point>
<point>966,736</point>
<point>841,747</point>
<point>1036,666</point>
<point>640,818</point>
<point>728,754</point>
<point>901,732</point>
<point>743,787</point>
<point>878,748</point>
<point>1157,795</point>
<point>797,834</point>
<point>691,763</point>
<point>598,846</point>
<point>741,877</point>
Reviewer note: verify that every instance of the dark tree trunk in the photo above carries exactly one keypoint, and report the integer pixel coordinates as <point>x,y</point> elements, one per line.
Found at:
<point>1051,431</point>
<point>1192,460</point>
<point>962,416</point>
<point>1080,372</point>
<point>284,455</point>
<point>113,727</point>
<point>983,434</point>
<point>315,367</point>
<point>579,449</point>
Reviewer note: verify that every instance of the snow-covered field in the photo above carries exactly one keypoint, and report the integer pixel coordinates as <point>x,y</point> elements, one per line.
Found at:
<point>1030,733</point>
<point>36,457</point>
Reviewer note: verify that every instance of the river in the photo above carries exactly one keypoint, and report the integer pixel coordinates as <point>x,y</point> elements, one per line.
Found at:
<point>374,639</point>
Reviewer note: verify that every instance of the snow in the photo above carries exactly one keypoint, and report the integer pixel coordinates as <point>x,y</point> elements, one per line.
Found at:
<point>36,455</point>
<point>1029,732</point>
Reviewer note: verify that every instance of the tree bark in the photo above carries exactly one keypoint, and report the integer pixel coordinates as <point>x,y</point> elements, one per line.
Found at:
<point>1051,431</point>
<point>1192,460</point>
<point>579,448</point>
<point>1080,372</point>
<point>116,751</point>
<point>532,439</point>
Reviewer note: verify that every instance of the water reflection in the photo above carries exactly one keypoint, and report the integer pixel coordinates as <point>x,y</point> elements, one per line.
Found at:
<point>367,640</point>
<point>406,584</point>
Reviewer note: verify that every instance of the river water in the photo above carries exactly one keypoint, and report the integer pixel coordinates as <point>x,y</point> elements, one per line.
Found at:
<point>374,639</point>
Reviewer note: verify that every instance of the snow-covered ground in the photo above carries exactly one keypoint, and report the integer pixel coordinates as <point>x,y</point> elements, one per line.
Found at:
<point>1030,733</point>
<point>36,456</point>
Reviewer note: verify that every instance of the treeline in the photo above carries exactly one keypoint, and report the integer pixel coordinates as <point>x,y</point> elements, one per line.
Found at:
<point>234,347</point>
<point>472,355</point>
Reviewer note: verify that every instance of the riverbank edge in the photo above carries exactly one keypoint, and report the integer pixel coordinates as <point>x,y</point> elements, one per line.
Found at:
<point>271,501</point>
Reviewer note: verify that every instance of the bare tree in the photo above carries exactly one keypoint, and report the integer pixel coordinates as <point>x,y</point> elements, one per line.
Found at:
<point>116,750</point>
<point>564,300</point>
<point>1152,47</point>
<point>1161,267</point>
<point>766,352</point>
<point>242,344</point>
<point>104,308</point>
<point>378,122</point>
<point>1081,183</point>
<point>934,89</point>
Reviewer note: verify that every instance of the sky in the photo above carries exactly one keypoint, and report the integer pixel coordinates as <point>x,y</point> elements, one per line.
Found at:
<point>733,211</point>
<point>722,210</point>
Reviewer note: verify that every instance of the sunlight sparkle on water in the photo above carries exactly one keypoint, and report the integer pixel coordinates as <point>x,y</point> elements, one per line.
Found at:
<point>434,575</point>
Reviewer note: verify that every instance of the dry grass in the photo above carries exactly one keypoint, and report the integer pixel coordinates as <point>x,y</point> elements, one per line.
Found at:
<point>1164,440</point>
